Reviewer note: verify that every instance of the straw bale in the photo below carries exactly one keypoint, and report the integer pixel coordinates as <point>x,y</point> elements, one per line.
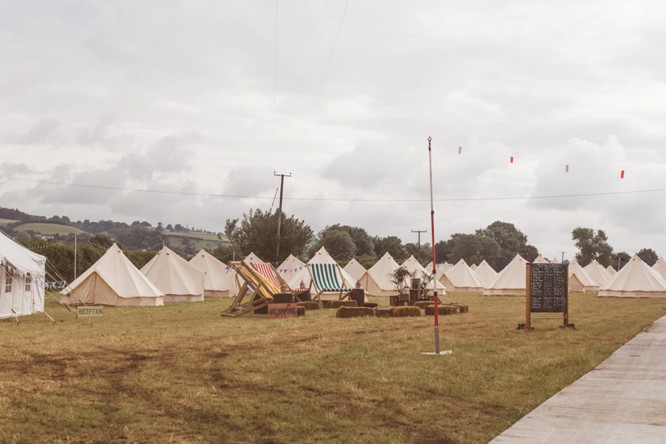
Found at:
<point>300,311</point>
<point>309,305</point>
<point>354,312</point>
<point>423,304</point>
<point>400,312</point>
<point>383,312</point>
<point>338,304</point>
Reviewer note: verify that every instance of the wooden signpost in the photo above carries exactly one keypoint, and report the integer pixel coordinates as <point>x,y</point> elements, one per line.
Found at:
<point>547,292</point>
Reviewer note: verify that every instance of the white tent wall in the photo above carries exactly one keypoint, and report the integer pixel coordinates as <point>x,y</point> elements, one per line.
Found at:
<point>179,280</point>
<point>22,279</point>
<point>635,279</point>
<point>20,295</point>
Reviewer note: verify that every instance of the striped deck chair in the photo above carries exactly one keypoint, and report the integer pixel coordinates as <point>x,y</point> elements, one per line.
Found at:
<point>271,276</point>
<point>259,289</point>
<point>327,278</point>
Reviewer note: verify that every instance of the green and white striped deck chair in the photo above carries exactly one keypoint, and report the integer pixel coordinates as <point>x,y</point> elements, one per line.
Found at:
<point>327,278</point>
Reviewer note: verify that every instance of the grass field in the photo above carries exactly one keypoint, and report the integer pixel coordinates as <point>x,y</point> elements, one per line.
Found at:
<point>5,222</point>
<point>182,373</point>
<point>49,229</point>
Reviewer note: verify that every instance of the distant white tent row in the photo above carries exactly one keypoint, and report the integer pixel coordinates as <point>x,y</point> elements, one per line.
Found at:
<point>579,280</point>
<point>22,279</point>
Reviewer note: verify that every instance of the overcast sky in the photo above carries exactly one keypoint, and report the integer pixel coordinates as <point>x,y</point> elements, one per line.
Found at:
<point>190,98</point>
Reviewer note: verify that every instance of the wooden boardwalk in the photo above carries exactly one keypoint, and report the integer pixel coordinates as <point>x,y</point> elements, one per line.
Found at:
<point>623,400</point>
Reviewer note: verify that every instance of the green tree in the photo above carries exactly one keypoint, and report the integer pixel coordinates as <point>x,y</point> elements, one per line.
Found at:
<point>510,240</point>
<point>257,232</point>
<point>473,248</point>
<point>101,240</point>
<point>648,255</point>
<point>338,243</point>
<point>592,246</point>
<point>226,253</point>
<point>620,259</point>
<point>391,245</point>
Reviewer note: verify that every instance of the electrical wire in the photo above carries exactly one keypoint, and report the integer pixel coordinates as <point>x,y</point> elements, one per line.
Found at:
<point>334,199</point>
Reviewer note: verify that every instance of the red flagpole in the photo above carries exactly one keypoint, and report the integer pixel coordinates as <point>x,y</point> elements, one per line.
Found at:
<point>434,257</point>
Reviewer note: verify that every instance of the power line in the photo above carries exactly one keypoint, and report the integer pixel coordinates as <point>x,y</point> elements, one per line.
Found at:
<point>336,199</point>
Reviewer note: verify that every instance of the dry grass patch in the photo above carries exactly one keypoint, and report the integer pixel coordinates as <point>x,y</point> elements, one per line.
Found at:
<point>182,373</point>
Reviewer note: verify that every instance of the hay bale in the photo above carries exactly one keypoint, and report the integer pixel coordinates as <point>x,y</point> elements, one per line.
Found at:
<point>383,312</point>
<point>401,312</point>
<point>300,311</point>
<point>338,304</point>
<point>463,308</point>
<point>309,305</point>
<point>423,304</point>
<point>354,312</point>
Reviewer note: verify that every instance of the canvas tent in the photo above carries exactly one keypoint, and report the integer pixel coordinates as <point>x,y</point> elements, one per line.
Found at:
<point>540,260</point>
<point>486,273</point>
<point>473,266</point>
<point>22,279</point>
<point>220,280</point>
<point>355,270</point>
<point>461,277</point>
<point>611,271</point>
<point>580,280</point>
<point>415,268</point>
<point>635,279</point>
<point>660,266</point>
<point>291,271</point>
<point>597,272</point>
<point>377,280</point>
<point>112,280</point>
<point>179,280</point>
<point>510,281</point>
<point>251,258</point>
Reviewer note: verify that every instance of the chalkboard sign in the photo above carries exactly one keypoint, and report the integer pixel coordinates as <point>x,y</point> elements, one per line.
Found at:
<point>548,285</point>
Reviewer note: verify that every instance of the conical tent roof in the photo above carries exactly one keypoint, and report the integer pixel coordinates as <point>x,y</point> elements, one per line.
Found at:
<point>354,269</point>
<point>510,281</point>
<point>486,273</point>
<point>540,260</point>
<point>635,279</point>
<point>251,258</point>
<point>462,278</point>
<point>439,268</point>
<point>414,267</point>
<point>219,278</point>
<point>178,279</point>
<point>597,272</point>
<point>473,266</point>
<point>322,257</point>
<point>377,280</point>
<point>555,260</point>
<point>290,269</point>
<point>112,280</point>
<point>580,280</point>
<point>660,266</point>
<point>611,271</point>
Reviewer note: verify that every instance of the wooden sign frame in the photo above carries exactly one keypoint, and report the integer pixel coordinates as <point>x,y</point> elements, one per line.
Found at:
<point>529,297</point>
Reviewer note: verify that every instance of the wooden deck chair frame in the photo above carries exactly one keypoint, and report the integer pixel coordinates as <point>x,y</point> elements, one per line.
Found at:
<point>255,285</point>
<point>335,273</point>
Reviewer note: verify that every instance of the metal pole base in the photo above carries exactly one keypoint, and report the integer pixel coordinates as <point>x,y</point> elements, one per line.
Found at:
<point>442,353</point>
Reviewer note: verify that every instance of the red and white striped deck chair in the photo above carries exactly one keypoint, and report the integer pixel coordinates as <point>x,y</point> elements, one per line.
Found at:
<point>268,272</point>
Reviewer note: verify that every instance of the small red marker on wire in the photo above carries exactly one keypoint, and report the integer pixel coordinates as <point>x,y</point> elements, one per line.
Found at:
<point>511,159</point>
<point>622,174</point>
<point>566,168</point>
<point>459,150</point>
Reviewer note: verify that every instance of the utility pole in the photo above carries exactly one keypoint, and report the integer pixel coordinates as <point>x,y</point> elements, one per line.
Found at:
<point>419,234</point>
<point>279,212</point>
<point>74,256</point>
<point>563,253</point>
